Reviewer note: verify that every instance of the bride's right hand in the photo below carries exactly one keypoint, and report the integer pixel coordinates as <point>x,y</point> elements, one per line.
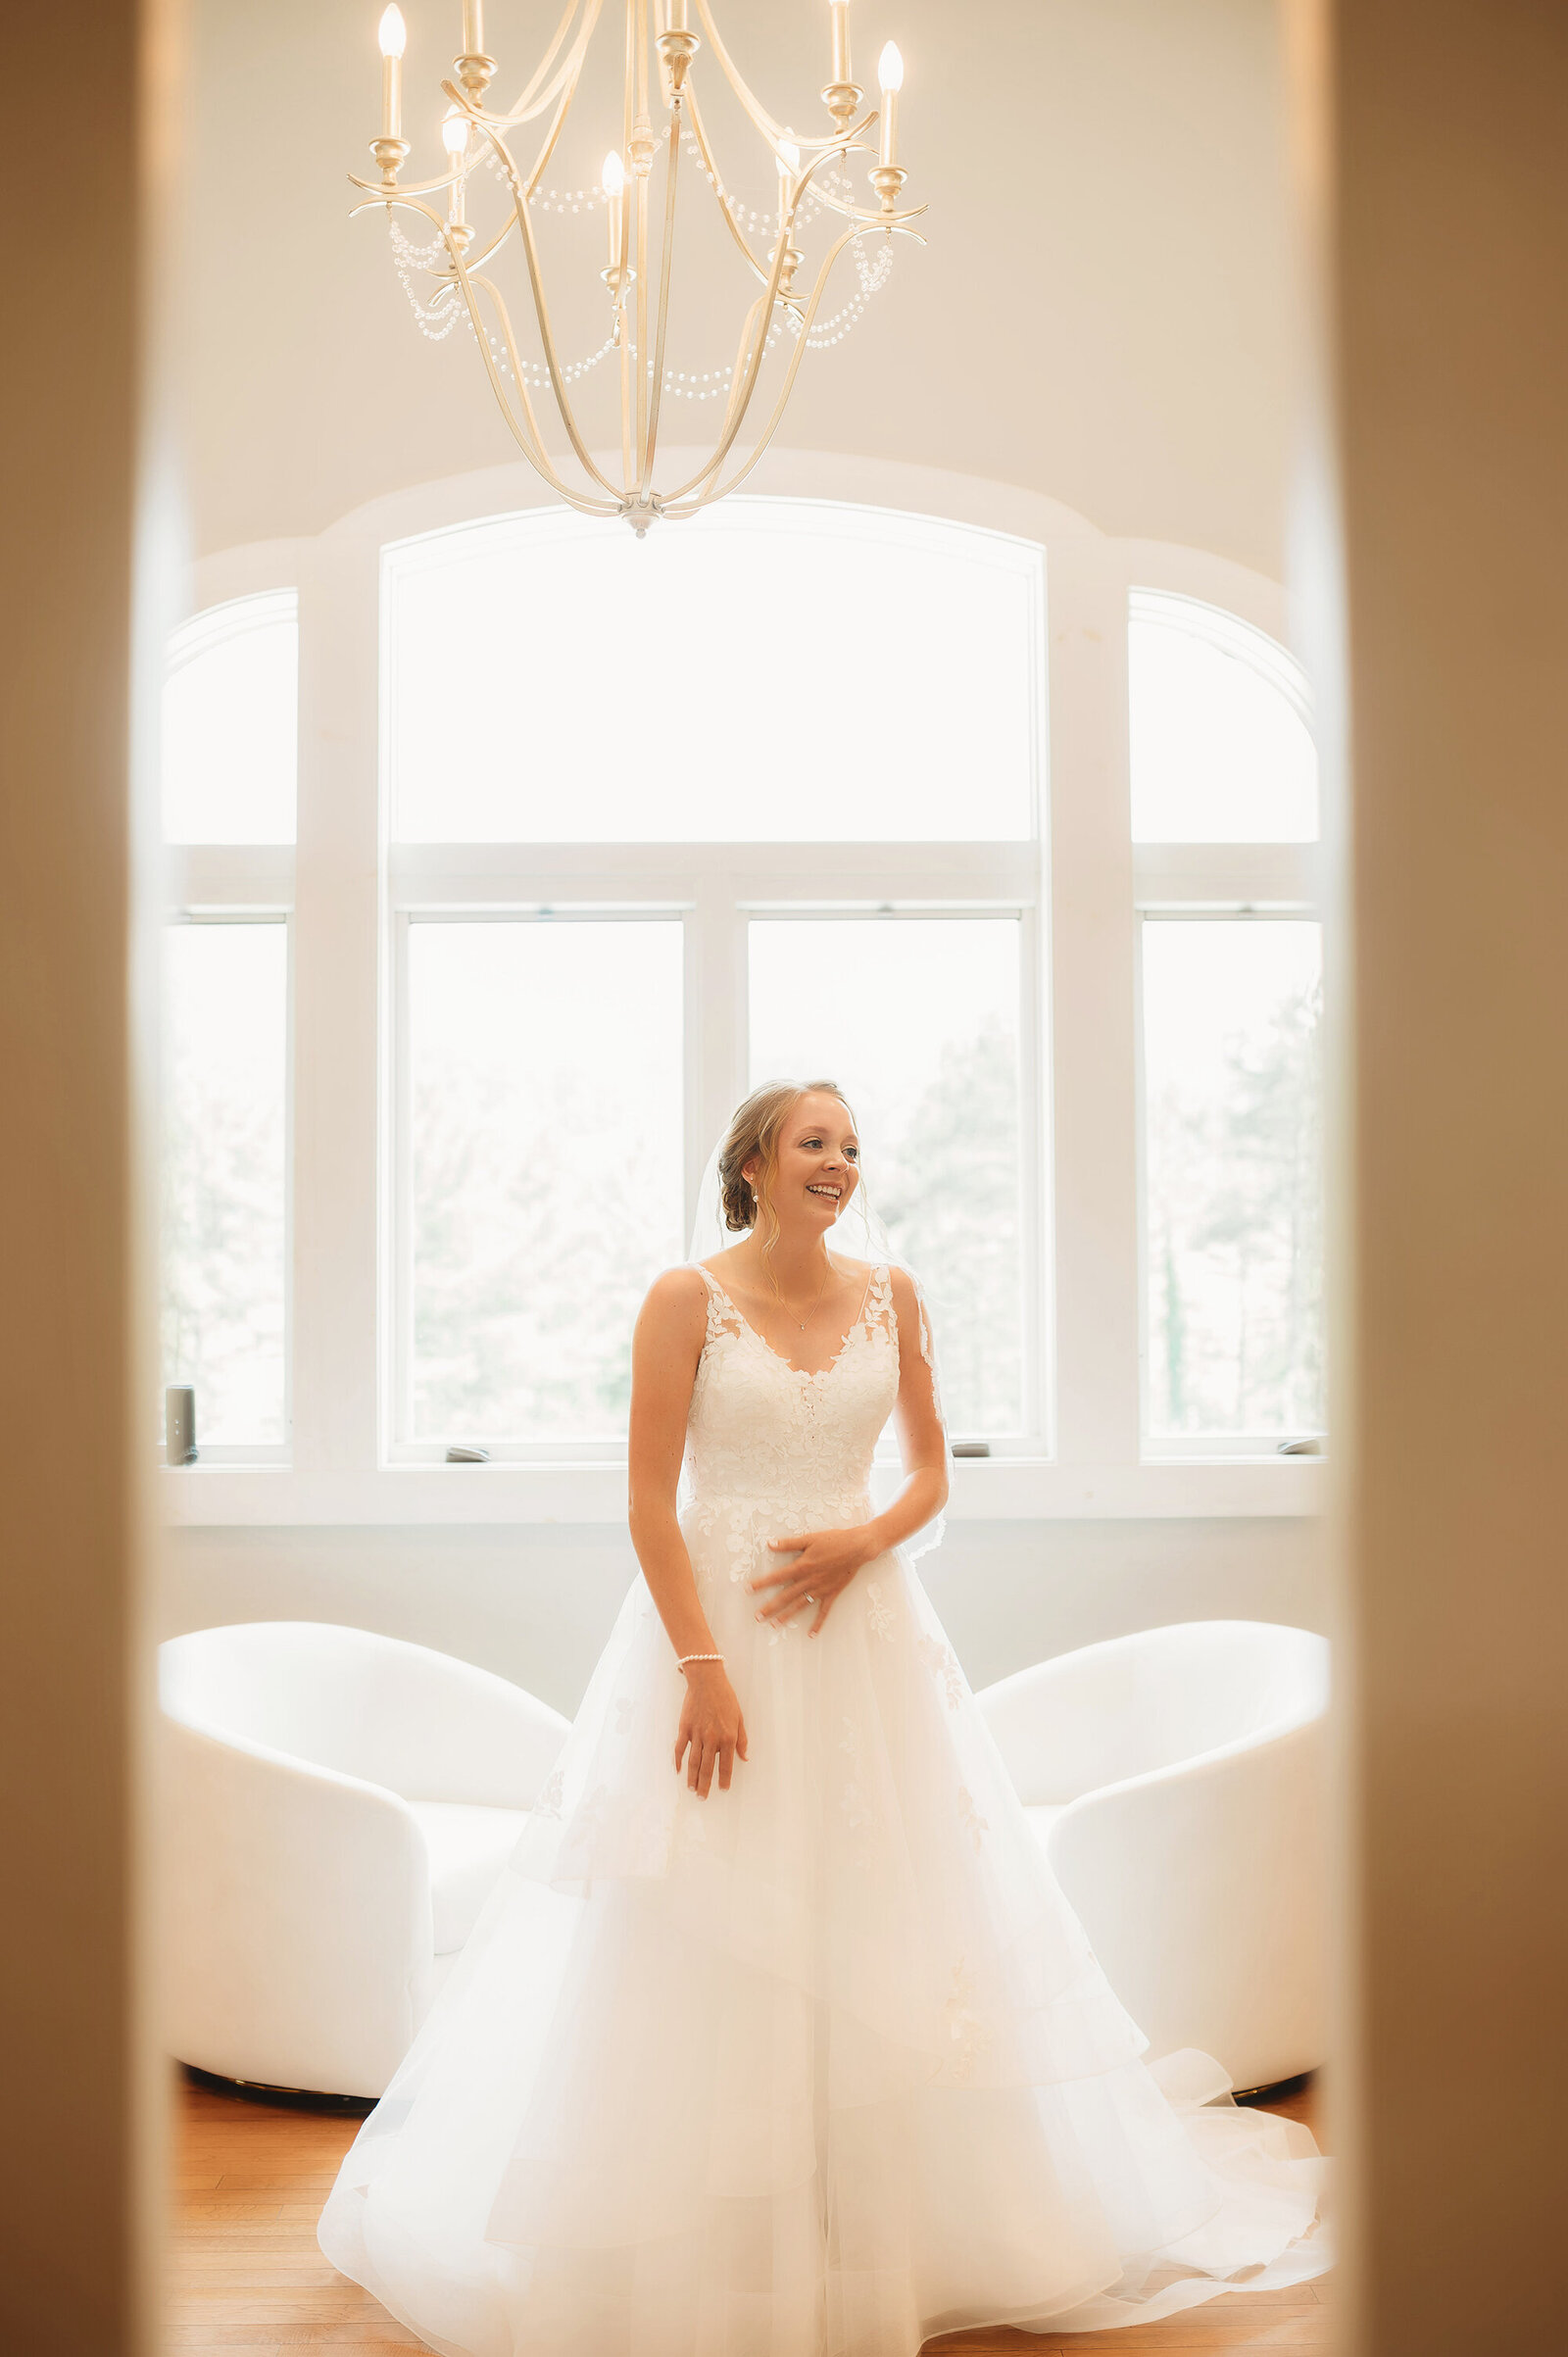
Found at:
<point>713,1733</point>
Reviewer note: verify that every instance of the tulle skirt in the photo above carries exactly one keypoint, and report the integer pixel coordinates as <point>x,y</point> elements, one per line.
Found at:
<point>819,2067</point>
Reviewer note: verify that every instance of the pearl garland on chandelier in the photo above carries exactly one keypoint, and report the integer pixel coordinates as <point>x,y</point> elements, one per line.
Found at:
<point>447,279</point>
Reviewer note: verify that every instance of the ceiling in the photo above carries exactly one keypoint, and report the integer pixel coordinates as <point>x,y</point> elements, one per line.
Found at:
<point>1102,313</point>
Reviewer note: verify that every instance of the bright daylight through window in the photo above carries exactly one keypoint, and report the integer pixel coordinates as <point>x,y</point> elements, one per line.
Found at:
<point>620,877</point>
<point>1231,1059</point>
<point>543,1178</point>
<point>588,746</point>
<point>225,1162</point>
<point>230,732</point>
<point>616,690</point>
<point>231,723</point>
<point>917,1021</point>
<point>1231,1021</point>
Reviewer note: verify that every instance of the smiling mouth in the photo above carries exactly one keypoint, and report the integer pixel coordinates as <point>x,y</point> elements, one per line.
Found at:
<point>833,1194</point>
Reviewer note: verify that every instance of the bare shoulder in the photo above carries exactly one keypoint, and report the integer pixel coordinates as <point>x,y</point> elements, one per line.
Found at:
<point>905,1298</point>
<point>675,1304</point>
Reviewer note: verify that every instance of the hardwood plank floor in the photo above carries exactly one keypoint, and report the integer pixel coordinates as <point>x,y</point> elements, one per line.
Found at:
<point>246,2279</point>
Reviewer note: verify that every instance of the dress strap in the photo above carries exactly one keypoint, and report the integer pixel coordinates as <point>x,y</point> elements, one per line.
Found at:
<point>723,1315</point>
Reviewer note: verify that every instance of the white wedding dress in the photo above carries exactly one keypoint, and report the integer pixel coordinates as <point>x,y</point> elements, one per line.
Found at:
<point>820,2066</point>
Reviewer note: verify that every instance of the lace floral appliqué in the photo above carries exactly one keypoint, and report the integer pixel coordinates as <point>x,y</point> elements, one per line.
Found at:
<point>969,1817</point>
<point>878,1611</point>
<point>966,2030</point>
<point>943,1663</point>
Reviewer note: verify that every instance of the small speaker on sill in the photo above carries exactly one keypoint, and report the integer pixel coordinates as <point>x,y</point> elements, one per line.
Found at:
<point>459,1454</point>
<point>179,1425</point>
<point>971,1447</point>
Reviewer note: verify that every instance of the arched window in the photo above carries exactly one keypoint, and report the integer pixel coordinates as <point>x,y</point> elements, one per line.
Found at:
<point>228,763</point>
<point>1221,748</point>
<point>597,834</point>
<point>755,796</point>
<point>774,670</point>
<point>231,723</point>
<point>1224,790</point>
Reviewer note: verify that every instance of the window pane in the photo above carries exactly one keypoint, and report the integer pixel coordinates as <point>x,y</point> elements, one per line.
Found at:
<point>230,722</point>
<point>545,1065</point>
<point>225,1057</point>
<point>773,671</point>
<point>917,1021</point>
<point>1220,751</point>
<point>1235,1181</point>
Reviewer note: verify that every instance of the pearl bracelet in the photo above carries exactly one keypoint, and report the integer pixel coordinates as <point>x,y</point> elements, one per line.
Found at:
<point>685,1657</point>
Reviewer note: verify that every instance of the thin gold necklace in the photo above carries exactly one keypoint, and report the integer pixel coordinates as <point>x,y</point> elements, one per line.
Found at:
<point>801,1324</point>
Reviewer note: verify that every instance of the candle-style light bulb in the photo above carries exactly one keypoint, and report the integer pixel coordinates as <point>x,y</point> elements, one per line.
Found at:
<point>612,181</point>
<point>889,78</point>
<point>840,14</point>
<point>392,34</point>
<point>455,139</point>
<point>789,163</point>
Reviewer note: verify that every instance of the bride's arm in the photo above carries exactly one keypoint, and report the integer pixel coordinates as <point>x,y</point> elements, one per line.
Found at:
<point>827,1560</point>
<point>667,1346</point>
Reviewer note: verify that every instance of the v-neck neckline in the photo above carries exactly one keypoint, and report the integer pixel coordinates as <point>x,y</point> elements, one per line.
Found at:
<point>805,1374</point>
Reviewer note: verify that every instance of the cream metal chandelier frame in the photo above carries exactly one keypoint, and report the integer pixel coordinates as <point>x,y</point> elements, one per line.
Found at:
<point>659,50</point>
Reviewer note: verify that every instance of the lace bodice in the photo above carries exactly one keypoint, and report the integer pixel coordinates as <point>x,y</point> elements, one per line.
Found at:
<point>765,1435</point>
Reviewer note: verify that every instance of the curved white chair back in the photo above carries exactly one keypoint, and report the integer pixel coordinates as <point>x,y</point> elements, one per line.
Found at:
<point>1134,1705</point>
<point>361,1703</point>
<point>1176,1780</point>
<point>327,1794</point>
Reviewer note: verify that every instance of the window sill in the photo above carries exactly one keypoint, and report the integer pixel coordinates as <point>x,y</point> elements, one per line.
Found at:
<point>989,1490</point>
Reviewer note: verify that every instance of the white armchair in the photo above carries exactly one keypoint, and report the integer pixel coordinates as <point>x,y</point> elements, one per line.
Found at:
<point>1176,1780</point>
<point>336,1808</point>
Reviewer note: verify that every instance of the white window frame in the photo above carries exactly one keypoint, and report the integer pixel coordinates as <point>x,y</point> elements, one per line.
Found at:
<point>243,883</point>
<point>345,881</point>
<point>1236,883</point>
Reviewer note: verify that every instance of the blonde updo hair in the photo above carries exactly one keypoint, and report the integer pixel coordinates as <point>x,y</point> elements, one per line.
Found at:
<point>754,1133</point>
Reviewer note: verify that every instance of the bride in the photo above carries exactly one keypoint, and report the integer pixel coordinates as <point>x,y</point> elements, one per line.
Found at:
<point>778,2037</point>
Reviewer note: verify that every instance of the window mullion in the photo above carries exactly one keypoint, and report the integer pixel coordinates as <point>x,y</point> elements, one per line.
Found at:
<point>337,1062</point>
<point>1094,1013</point>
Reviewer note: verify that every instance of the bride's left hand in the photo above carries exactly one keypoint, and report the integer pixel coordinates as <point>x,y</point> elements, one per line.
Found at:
<point>825,1562</point>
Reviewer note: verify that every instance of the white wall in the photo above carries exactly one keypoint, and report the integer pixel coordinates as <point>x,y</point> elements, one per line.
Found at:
<point>536,1604</point>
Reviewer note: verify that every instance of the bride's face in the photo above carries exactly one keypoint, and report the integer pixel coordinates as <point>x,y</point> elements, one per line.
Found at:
<point>818,1162</point>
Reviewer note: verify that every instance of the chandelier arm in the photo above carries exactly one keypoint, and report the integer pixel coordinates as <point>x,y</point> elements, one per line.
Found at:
<point>636,96</point>
<point>743,381</point>
<point>628,467</point>
<point>538,94</point>
<point>779,406</point>
<point>528,436</point>
<point>877,220</point>
<point>771,132</point>
<point>373,204</point>
<point>542,315</point>
<point>737,408</point>
<point>705,150</point>
<point>548,149</point>
<point>405,188</point>
<point>656,393</point>
<point>736,374</point>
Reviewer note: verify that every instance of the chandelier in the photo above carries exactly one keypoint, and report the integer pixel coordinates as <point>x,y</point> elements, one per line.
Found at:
<point>450,282</point>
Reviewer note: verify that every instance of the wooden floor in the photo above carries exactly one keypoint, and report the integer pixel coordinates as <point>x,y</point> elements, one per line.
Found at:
<point>247,2279</point>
